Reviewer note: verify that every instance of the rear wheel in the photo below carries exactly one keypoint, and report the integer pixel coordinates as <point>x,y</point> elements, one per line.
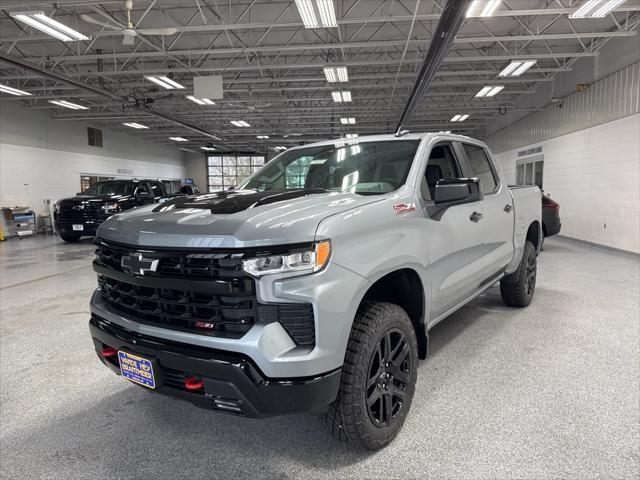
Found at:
<point>517,289</point>
<point>378,377</point>
<point>69,238</point>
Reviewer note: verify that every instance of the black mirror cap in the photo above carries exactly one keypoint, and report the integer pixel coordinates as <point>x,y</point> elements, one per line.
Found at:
<point>456,191</point>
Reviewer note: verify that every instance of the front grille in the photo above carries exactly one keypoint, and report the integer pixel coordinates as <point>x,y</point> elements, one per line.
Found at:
<point>204,293</point>
<point>70,211</point>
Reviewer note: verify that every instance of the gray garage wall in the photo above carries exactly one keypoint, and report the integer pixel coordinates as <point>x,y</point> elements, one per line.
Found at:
<point>42,159</point>
<point>591,151</point>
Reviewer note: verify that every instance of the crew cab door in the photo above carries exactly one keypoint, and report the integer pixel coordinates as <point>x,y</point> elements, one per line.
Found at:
<point>453,238</point>
<point>498,215</point>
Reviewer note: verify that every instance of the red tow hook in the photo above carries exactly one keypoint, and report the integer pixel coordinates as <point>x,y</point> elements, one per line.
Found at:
<point>192,383</point>
<point>108,352</point>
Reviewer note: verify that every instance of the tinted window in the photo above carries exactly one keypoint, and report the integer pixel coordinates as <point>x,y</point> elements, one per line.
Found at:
<point>480,167</point>
<point>365,168</point>
<point>109,188</point>
<point>441,164</point>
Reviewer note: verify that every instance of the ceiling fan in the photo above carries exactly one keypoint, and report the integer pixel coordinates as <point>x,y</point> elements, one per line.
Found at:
<point>130,32</point>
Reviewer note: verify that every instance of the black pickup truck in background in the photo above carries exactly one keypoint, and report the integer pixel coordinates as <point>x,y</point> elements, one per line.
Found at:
<point>81,215</point>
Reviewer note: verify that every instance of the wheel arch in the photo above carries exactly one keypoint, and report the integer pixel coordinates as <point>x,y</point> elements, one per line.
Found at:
<point>403,287</point>
<point>534,234</point>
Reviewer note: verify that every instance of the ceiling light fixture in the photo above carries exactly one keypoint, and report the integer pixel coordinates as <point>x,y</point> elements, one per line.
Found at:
<point>589,9</point>
<point>65,104</point>
<point>164,82</point>
<point>40,21</point>
<point>13,91</point>
<point>200,101</point>
<point>351,135</point>
<point>347,121</point>
<point>178,139</point>
<point>444,131</point>
<point>135,125</point>
<point>263,137</point>
<point>208,149</point>
<point>517,68</point>
<point>339,97</point>
<point>336,74</point>
<point>280,148</point>
<point>240,123</point>
<point>489,91</point>
<point>459,118</point>
<point>324,10</point>
<point>482,8</point>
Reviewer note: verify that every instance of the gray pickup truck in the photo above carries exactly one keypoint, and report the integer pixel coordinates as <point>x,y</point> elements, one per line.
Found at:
<point>314,284</point>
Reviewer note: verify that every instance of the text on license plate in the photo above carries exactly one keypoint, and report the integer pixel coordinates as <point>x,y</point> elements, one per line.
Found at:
<point>78,227</point>
<point>137,369</point>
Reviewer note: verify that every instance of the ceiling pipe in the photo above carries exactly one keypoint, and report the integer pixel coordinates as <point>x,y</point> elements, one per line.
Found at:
<point>450,22</point>
<point>103,92</point>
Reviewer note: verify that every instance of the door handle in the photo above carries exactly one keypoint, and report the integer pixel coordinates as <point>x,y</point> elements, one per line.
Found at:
<point>475,217</point>
<point>508,208</point>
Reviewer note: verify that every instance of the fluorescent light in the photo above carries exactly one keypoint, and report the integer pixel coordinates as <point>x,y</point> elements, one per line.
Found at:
<point>336,74</point>
<point>264,137</point>
<point>463,118</point>
<point>327,13</point>
<point>455,118</point>
<point>482,8</point>
<point>208,149</point>
<point>164,82</point>
<point>40,21</point>
<point>339,97</point>
<point>280,148</point>
<point>517,68</point>
<point>135,125</point>
<point>589,9</point>
<point>483,91</point>
<point>240,123</point>
<point>351,135</point>
<point>178,139</point>
<point>444,131</point>
<point>347,121</point>
<point>65,104</point>
<point>459,118</point>
<point>523,68</point>
<point>305,7</point>
<point>489,91</point>
<point>201,101</point>
<point>607,8</point>
<point>13,91</point>
<point>325,10</point>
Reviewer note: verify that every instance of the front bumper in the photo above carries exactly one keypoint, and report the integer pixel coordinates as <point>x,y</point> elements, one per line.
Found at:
<point>89,228</point>
<point>232,382</point>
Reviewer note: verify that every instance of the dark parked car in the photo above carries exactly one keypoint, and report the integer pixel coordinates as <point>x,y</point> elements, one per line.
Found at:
<point>550,217</point>
<point>81,215</point>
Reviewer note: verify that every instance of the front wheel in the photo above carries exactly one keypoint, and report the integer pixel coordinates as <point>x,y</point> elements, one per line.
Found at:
<point>378,377</point>
<point>517,289</point>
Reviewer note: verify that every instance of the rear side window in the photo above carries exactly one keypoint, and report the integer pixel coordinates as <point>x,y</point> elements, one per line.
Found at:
<point>481,167</point>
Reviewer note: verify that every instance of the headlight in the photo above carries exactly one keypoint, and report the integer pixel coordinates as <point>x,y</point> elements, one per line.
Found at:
<point>307,261</point>
<point>111,207</point>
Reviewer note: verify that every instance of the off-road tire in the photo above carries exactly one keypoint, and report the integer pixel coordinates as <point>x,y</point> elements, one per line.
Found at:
<point>518,288</point>
<point>349,417</point>
<point>70,238</point>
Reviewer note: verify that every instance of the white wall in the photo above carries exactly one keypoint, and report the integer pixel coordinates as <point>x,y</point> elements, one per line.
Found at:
<point>196,165</point>
<point>595,176</point>
<point>41,158</point>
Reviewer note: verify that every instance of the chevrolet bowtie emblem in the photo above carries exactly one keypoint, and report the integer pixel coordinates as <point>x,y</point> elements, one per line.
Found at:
<point>137,264</point>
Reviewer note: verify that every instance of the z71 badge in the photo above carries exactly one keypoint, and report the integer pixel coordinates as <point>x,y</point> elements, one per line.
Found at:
<point>404,208</point>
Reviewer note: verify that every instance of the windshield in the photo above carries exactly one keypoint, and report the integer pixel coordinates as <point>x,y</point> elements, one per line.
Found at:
<point>109,188</point>
<point>364,168</point>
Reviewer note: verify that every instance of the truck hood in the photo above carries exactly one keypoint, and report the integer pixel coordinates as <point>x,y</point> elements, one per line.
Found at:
<point>231,219</point>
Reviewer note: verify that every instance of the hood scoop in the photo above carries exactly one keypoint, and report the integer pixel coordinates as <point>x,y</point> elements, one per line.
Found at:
<point>234,201</point>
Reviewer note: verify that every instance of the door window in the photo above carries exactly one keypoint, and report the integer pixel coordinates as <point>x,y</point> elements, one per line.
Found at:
<point>441,164</point>
<point>481,167</point>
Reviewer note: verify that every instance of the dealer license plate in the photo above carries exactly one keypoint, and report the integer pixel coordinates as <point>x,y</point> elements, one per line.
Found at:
<point>137,369</point>
<point>78,227</point>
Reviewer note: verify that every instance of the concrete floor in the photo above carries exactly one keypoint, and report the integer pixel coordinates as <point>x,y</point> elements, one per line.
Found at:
<point>547,391</point>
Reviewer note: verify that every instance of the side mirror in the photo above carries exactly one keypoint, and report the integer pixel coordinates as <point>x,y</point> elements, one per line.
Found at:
<point>456,191</point>
<point>453,191</point>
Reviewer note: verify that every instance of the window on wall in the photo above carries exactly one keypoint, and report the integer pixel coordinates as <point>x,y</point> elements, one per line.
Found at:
<point>227,171</point>
<point>529,171</point>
